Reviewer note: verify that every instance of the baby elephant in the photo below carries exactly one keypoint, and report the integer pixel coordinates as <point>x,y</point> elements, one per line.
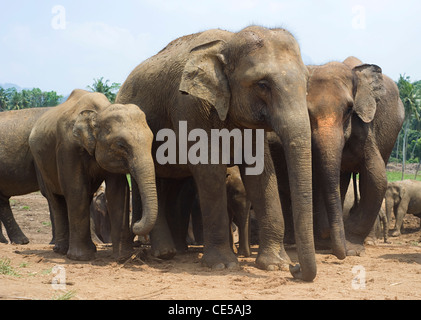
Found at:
<point>402,197</point>
<point>78,145</point>
<point>17,170</point>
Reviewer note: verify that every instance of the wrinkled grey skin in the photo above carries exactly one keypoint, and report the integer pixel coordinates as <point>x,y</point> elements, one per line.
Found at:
<point>216,79</point>
<point>17,169</point>
<point>78,145</point>
<point>355,114</point>
<point>402,197</point>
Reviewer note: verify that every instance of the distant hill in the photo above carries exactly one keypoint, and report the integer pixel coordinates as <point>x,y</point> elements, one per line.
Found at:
<point>12,85</point>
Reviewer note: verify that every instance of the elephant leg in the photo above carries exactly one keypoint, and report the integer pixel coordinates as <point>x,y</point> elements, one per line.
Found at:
<point>211,187</point>
<point>13,230</point>
<point>60,222</point>
<point>242,220</point>
<point>118,197</point>
<point>400,214</point>
<point>162,243</point>
<point>2,238</point>
<point>262,191</point>
<point>178,221</point>
<point>373,185</point>
<point>197,222</point>
<point>81,246</point>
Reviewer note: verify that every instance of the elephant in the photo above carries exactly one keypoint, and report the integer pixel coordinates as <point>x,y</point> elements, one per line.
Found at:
<point>356,115</point>
<point>100,217</point>
<point>220,80</point>
<point>81,143</point>
<point>380,228</point>
<point>17,168</point>
<point>187,207</point>
<point>402,197</point>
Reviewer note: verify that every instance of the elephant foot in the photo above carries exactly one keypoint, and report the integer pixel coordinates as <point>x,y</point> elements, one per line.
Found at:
<point>61,247</point>
<point>244,251</point>
<point>396,233</point>
<point>82,252</point>
<point>122,252</point>
<point>355,247</point>
<point>165,253</point>
<point>272,261</point>
<point>219,259</point>
<point>19,238</point>
<point>3,239</point>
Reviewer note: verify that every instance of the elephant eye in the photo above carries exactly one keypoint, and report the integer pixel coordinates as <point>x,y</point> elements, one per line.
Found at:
<point>349,107</point>
<point>122,145</point>
<point>263,84</point>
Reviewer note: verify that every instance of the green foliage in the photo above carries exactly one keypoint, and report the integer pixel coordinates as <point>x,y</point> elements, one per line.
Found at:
<point>12,99</point>
<point>408,144</point>
<point>110,91</point>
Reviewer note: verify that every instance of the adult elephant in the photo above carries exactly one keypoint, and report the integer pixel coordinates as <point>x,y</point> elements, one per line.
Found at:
<point>355,114</point>
<point>76,146</point>
<point>17,169</point>
<point>402,197</point>
<point>216,79</point>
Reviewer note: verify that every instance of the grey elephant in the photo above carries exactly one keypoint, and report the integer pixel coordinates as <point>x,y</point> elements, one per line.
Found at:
<point>380,228</point>
<point>78,145</point>
<point>402,197</point>
<point>216,80</point>
<point>17,169</point>
<point>356,115</point>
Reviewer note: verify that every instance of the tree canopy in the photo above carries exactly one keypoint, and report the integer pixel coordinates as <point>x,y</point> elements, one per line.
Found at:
<point>12,99</point>
<point>109,90</point>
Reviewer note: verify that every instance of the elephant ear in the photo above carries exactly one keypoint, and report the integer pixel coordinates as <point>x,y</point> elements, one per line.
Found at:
<point>368,88</point>
<point>203,76</point>
<point>84,130</point>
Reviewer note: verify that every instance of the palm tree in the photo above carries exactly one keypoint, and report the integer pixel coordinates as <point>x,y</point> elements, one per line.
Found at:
<point>110,91</point>
<point>410,96</point>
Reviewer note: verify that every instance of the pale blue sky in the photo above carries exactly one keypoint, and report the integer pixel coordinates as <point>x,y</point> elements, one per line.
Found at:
<point>109,38</point>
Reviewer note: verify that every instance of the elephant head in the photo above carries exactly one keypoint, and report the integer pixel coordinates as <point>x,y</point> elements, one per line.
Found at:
<point>121,141</point>
<point>339,94</point>
<point>257,79</point>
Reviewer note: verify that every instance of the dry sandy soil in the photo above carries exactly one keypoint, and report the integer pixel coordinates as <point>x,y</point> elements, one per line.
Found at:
<point>386,271</point>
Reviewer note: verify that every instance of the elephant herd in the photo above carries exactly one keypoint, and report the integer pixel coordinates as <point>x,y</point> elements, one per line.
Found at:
<point>322,125</point>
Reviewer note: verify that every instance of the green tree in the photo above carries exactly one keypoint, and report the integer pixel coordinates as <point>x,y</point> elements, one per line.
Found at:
<point>110,91</point>
<point>410,96</point>
<point>12,99</point>
<point>4,100</point>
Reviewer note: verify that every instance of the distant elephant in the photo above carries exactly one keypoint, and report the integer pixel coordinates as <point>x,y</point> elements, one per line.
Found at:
<point>187,206</point>
<point>17,169</point>
<point>216,80</point>
<point>402,197</point>
<point>356,115</point>
<point>79,144</point>
<point>380,228</point>
<point>100,217</point>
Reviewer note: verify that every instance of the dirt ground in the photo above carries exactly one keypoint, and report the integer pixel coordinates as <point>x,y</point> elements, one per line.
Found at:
<point>386,271</point>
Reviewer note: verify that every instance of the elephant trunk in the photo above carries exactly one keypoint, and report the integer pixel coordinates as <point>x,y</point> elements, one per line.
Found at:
<point>328,144</point>
<point>143,171</point>
<point>293,128</point>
